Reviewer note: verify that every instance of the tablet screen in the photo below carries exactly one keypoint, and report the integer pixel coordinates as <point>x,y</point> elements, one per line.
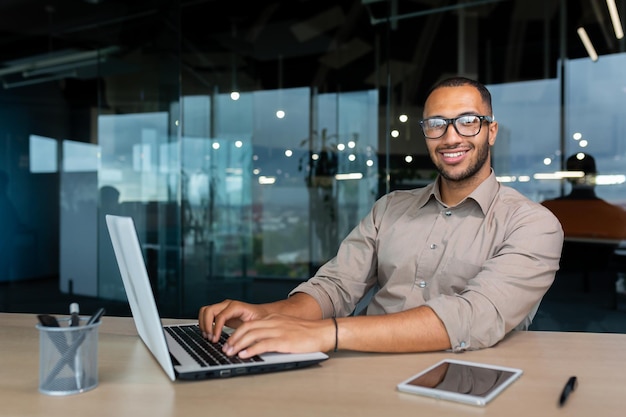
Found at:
<point>469,382</point>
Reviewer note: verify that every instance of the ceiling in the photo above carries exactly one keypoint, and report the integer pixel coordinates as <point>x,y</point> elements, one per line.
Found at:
<point>331,45</point>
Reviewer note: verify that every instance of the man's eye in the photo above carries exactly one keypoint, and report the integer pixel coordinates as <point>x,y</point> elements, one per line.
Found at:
<point>468,120</point>
<point>435,123</point>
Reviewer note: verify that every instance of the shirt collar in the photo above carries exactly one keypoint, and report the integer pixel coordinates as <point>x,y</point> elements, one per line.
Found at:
<point>483,195</point>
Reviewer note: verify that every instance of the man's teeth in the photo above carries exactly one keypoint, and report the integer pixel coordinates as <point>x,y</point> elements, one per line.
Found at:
<point>453,154</point>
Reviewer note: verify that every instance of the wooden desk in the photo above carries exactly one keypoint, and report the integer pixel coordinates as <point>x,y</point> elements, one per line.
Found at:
<point>348,384</point>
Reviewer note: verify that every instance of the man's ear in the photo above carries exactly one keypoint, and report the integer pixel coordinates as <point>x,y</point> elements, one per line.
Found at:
<point>493,132</point>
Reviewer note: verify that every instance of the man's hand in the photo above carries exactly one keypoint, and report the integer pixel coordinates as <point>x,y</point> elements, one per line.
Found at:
<point>280,333</point>
<point>231,313</point>
<point>213,318</point>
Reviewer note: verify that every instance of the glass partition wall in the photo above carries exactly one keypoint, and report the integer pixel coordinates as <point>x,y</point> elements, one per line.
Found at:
<point>246,144</point>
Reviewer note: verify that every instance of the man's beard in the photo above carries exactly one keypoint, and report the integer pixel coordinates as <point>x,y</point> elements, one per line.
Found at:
<point>482,153</point>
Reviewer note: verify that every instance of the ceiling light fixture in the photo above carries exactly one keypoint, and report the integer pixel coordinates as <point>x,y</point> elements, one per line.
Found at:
<point>29,65</point>
<point>617,24</point>
<point>31,81</point>
<point>582,33</point>
<point>65,67</point>
<point>53,66</point>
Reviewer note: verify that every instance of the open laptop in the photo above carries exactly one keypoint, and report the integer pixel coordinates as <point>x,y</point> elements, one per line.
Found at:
<point>175,346</point>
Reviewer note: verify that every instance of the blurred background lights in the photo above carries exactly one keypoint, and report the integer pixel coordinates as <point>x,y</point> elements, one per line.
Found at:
<point>403,118</point>
<point>395,133</point>
<point>280,114</point>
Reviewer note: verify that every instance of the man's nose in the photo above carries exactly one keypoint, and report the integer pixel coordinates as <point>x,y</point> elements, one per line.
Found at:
<point>450,133</point>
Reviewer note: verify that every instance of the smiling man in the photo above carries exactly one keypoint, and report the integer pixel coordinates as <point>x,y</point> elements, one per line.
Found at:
<point>456,265</point>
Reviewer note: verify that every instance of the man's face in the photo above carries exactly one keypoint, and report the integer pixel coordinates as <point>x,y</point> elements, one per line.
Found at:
<point>457,157</point>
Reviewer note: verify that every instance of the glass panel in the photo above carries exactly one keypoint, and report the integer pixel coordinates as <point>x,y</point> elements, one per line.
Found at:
<point>216,193</point>
<point>135,174</point>
<point>528,142</point>
<point>279,191</point>
<point>595,121</point>
<point>343,169</point>
<point>78,218</point>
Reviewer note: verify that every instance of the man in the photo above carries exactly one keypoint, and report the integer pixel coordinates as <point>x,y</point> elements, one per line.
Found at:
<point>458,263</point>
<point>581,212</point>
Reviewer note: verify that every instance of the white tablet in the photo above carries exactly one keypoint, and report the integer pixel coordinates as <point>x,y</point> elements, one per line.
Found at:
<point>466,382</point>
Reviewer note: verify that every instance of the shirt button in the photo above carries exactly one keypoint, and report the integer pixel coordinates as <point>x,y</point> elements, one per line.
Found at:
<point>433,246</point>
<point>462,344</point>
<point>422,284</point>
<point>448,213</point>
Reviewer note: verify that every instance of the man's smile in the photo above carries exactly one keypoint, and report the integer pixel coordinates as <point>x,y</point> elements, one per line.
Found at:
<point>453,156</point>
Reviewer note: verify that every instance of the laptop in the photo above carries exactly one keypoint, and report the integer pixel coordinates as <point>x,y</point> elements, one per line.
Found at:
<point>181,350</point>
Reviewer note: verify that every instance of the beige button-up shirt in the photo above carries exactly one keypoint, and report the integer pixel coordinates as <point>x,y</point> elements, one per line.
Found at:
<point>483,265</point>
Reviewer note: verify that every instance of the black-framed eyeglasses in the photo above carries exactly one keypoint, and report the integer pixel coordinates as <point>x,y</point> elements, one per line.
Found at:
<point>466,125</point>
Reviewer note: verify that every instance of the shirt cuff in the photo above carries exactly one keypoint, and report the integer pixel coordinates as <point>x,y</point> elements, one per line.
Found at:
<point>322,298</point>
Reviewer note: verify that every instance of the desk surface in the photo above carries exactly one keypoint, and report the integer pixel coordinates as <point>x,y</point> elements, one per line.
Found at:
<point>348,384</point>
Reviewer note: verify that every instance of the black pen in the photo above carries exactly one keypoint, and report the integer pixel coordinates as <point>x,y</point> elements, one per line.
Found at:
<point>96,316</point>
<point>569,387</point>
<point>50,321</point>
<point>47,320</point>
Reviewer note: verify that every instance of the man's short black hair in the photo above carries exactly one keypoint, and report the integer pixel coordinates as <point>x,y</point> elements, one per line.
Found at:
<point>461,81</point>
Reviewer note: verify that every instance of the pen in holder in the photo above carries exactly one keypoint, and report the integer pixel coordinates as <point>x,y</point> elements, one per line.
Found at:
<point>68,358</point>
<point>75,321</point>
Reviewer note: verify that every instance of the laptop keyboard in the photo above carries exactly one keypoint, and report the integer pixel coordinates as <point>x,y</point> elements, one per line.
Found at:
<point>203,351</point>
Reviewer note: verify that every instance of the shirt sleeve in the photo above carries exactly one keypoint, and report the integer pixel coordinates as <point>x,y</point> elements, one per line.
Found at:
<point>509,285</point>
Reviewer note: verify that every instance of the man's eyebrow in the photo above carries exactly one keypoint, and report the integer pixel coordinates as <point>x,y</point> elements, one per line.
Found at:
<point>470,113</point>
